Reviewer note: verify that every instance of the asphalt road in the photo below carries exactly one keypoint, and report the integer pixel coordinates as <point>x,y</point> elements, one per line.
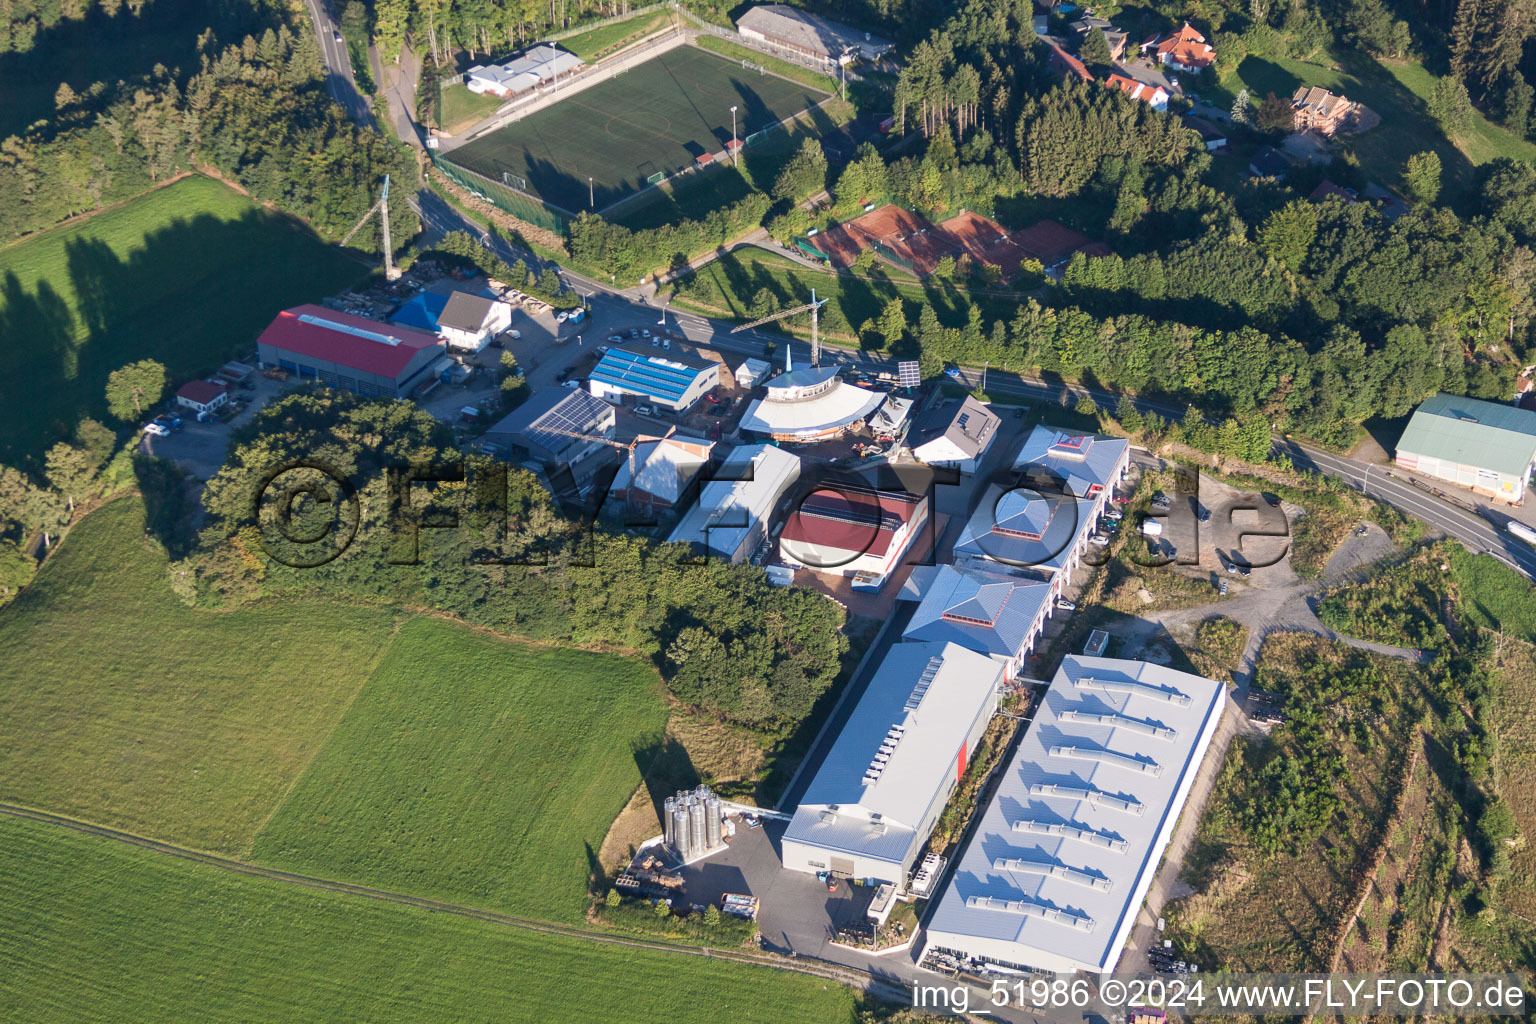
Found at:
<point>614,308</point>
<point>338,65</point>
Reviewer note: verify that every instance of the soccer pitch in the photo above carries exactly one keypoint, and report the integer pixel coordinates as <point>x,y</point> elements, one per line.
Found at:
<point>657,117</point>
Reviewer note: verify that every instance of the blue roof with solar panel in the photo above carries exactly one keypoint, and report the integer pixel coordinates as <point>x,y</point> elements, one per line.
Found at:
<point>661,375</point>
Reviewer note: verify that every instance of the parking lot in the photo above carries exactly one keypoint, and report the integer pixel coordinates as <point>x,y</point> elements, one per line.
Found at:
<point>796,913</point>
<point>200,448</point>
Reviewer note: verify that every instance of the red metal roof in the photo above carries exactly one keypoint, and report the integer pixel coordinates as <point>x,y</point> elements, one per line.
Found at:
<point>303,330</point>
<point>201,391</point>
<point>851,520</point>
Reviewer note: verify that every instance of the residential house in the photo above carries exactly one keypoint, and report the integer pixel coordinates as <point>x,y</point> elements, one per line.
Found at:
<point>955,434</point>
<point>1113,36</point>
<point>1318,110</point>
<point>1267,162</point>
<point>1153,96</point>
<point>203,397</point>
<point>469,322</point>
<point>1184,50</point>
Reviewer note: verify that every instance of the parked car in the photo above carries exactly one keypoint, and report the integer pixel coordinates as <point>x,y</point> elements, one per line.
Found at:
<point>615,338</point>
<point>952,371</point>
<point>1203,514</point>
<point>1065,605</point>
<point>645,410</point>
<point>1161,501</point>
<point>645,332</point>
<point>562,316</point>
<point>154,429</point>
<point>1222,588</point>
<point>1272,500</point>
<point>572,384</point>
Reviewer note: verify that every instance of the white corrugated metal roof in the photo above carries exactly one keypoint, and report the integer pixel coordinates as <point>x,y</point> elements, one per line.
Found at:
<point>729,507</point>
<point>1056,873</point>
<point>890,760</point>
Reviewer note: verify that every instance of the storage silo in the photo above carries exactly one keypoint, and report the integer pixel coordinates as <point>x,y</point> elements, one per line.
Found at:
<point>711,821</point>
<point>696,816</point>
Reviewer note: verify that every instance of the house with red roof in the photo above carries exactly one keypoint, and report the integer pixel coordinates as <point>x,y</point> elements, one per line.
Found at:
<point>203,397</point>
<point>1184,50</point>
<point>852,530</point>
<point>1154,96</point>
<point>349,352</point>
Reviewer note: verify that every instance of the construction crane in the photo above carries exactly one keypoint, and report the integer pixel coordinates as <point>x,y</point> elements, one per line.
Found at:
<point>813,306</point>
<point>391,272</point>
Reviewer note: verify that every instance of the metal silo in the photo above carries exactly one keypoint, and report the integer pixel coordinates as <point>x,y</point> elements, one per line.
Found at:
<point>696,828</point>
<point>711,821</point>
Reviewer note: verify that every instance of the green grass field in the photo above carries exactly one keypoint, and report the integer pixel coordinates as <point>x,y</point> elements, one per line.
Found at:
<point>188,274</point>
<point>124,707</point>
<point>596,43</point>
<point>473,770</point>
<point>1398,91</point>
<point>105,932</point>
<point>462,108</point>
<point>657,117</point>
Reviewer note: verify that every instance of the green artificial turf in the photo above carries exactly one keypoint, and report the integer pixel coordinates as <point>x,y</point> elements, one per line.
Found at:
<point>657,117</point>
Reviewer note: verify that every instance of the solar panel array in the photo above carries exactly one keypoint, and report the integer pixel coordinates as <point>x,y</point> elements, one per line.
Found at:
<point>908,374</point>
<point>580,413</point>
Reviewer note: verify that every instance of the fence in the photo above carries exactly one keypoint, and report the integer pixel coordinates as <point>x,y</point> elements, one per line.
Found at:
<point>590,25</point>
<point>522,205</point>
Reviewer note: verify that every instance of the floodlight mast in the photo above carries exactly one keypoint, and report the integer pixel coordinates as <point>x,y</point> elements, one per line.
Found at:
<point>814,306</point>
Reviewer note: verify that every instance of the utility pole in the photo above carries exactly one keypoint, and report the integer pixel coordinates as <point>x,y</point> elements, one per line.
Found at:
<point>591,195</point>
<point>733,136</point>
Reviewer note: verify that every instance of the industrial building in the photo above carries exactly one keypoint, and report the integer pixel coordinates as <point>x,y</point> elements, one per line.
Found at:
<point>731,518</point>
<point>1487,447</point>
<point>808,404</point>
<point>955,434</point>
<point>668,379</point>
<point>349,352</point>
<point>988,612</point>
<point>559,425</point>
<point>1040,531</point>
<point>787,28</point>
<point>1055,874</point>
<point>875,799</point>
<point>1085,465</point>
<point>853,530</point>
<point>540,64</point>
<point>664,469</point>
<point>468,322</point>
